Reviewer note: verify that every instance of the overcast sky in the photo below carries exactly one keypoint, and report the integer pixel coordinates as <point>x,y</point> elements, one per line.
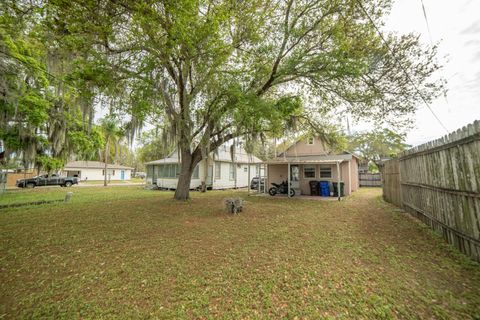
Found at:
<point>455,24</point>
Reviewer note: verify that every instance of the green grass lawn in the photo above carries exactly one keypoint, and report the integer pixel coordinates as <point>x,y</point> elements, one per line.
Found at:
<point>80,194</point>
<point>125,252</point>
<point>101,181</point>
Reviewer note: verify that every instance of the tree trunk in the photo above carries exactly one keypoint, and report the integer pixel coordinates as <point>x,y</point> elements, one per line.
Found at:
<point>183,186</point>
<point>106,162</point>
<point>188,163</point>
<point>205,176</point>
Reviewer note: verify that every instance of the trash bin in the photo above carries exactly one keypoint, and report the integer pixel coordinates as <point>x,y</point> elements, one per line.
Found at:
<point>324,188</point>
<point>335,189</point>
<point>314,188</point>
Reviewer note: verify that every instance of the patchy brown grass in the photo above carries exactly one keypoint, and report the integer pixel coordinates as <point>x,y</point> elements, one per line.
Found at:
<point>133,253</point>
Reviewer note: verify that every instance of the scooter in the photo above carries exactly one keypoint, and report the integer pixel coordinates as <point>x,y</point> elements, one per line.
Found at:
<point>281,188</point>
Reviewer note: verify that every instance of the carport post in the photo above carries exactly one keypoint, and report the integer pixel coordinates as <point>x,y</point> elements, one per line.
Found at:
<point>338,180</point>
<point>258,173</point>
<point>288,179</point>
<point>265,172</point>
<point>248,180</point>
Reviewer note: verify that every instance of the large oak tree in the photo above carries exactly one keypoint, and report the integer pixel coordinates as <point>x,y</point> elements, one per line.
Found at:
<point>41,121</point>
<point>212,71</point>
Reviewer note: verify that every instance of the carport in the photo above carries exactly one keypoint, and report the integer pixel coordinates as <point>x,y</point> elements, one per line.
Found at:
<point>300,171</point>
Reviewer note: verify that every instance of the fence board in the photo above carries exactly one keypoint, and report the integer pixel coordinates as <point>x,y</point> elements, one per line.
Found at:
<point>439,183</point>
<point>13,177</point>
<point>391,182</point>
<point>370,179</point>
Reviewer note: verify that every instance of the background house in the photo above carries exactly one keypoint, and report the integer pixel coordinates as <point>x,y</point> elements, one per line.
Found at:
<point>95,170</point>
<point>223,173</point>
<point>311,159</point>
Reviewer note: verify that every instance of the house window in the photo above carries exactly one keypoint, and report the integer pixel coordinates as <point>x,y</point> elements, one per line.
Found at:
<point>196,174</point>
<point>113,173</point>
<point>309,171</point>
<point>174,171</point>
<point>245,169</point>
<point>310,140</point>
<point>325,171</point>
<point>163,172</point>
<point>150,171</point>
<point>160,171</point>
<point>232,171</point>
<point>177,170</point>
<point>168,170</point>
<point>218,170</point>
<point>103,172</point>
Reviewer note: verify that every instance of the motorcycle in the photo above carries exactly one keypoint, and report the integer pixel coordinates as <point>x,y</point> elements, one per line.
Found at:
<point>281,188</point>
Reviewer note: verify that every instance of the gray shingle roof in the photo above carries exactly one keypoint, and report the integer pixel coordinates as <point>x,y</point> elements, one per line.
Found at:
<point>313,158</point>
<point>221,154</point>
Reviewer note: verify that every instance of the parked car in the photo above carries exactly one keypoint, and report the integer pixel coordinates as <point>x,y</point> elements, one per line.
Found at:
<point>254,183</point>
<point>141,175</point>
<point>47,180</point>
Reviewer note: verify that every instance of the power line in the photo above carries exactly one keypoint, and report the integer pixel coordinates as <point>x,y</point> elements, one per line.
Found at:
<point>401,66</point>
<point>426,21</point>
<point>430,34</point>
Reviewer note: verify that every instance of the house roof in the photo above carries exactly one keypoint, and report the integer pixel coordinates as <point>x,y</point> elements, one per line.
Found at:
<point>221,154</point>
<point>321,153</point>
<point>83,164</point>
<point>331,158</point>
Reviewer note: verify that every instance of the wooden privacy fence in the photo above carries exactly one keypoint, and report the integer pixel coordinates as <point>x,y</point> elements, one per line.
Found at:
<point>13,177</point>
<point>439,183</point>
<point>391,182</point>
<point>370,179</point>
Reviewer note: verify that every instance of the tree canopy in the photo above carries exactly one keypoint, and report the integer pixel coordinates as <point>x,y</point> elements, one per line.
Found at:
<point>373,146</point>
<point>41,118</point>
<point>211,71</point>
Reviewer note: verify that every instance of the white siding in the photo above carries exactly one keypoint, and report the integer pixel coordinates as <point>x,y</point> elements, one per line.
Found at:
<point>242,176</point>
<point>97,174</point>
<point>91,174</point>
<point>223,183</point>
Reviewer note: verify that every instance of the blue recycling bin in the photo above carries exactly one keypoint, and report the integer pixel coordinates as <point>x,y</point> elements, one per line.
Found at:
<point>324,188</point>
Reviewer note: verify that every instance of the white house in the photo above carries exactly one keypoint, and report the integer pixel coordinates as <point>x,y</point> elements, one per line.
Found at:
<point>95,170</point>
<point>223,173</point>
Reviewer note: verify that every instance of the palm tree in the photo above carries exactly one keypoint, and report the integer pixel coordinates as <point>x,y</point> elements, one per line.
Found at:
<point>111,133</point>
